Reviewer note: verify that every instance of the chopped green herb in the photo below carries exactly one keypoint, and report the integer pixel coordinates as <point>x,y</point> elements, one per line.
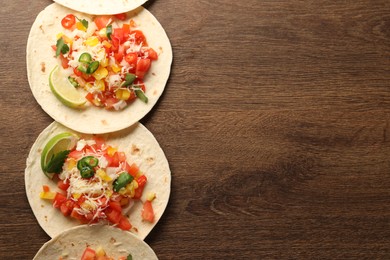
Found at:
<point>56,162</point>
<point>109,31</point>
<point>61,47</point>
<point>141,95</point>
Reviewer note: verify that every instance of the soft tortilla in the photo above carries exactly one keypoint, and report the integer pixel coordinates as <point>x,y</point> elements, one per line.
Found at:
<point>71,243</point>
<point>40,61</point>
<point>140,147</point>
<point>101,6</point>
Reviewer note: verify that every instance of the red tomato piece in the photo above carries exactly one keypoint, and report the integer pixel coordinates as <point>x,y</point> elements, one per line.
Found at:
<point>131,58</point>
<point>45,188</point>
<point>121,16</point>
<point>64,61</point>
<point>68,21</point>
<point>152,54</point>
<point>147,211</point>
<point>132,169</point>
<point>118,34</point>
<point>89,254</point>
<point>143,66</point>
<point>141,184</point>
<point>67,207</point>
<point>75,154</point>
<point>140,38</point>
<point>115,205</point>
<point>102,21</point>
<point>124,223</point>
<point>99,142</point>
<point>59,199</point>
<point>113,216</point>
<point>126,30</point>
<point>63,185</point>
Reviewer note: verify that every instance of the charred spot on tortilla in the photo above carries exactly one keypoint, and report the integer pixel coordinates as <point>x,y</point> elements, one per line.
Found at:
<point>155,92</point>
<point>150,160</point>
<point>41,27</point>
<point>43,67</point>
<point>72,244</point>
<point>135,149</point>
<point>112,240</point>
<point>104,122</point>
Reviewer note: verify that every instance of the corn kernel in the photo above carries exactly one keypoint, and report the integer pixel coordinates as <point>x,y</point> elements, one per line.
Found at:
<point>87,205</point>
<point>108,193</point>
<point>92,41</point>
<point>71,163</point>
<point>116,68</point>
<point>102,32</point>
<point>111,150</point>
<point>100,73</point>
<point>103,175</point>
<point>67,39</point>
<point>151,196</point>
<point>100,251</point>
<point>106,44</point>
<point>104,63</point>
<point>123,93</point>
<point>76,195</point>
<point>48,195</point>
<point>99,84</point>
<point>80,26</point>
<point>88,86</point>
<point>59,35</point>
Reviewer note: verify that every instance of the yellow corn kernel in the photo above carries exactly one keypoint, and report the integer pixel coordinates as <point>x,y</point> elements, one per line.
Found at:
<point>87,205</point>
<point>106,44</point>
<point>104,63</point>
<point>100,73</point>
<point>76,195</point>
<point>59,35</point>
<point>151,196</point>
<point>111,150</point>
<point>71,163</point>
<point>108,193</point>
<point>115,68</point>
<point>103,175</point>
<point>130,188</point>
<point>123,93</point>
<point>47,195</point>
<point>88,85</point>
<point>80,26</point>
<point>99,84</point>
<point>92,41</point>
<point>100,251</point>
<point>67,39</point>
<point>102,32</point>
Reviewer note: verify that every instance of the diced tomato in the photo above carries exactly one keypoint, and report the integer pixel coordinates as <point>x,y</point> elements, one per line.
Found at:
<point>118,34</point>
<point>132,169</point>
<point>77,72</point>
<point>113,216</point>
<point>99,142</point>
<point>118,56</point>
<point>121,16</point>
<point>126,30</point>
<point>64,61</point>
<point>152,54</point>
<point>124,223</point>
<point>89,254</point>
<point>68,21</point>
<point>45,188</point>
<point>75,154</point>
<point>102,21</point>
<point>141,185</point>
<point>109,102</point>
<point>59,199</point>
<point>121,157</point>
<point>115,205</point>
<point>131,58</point>
<point>63,185</point>
<point>67,207</point>
<point>143,66</point>
<point>140,38</point>
<point>147,211</point>
<point>74,214</point>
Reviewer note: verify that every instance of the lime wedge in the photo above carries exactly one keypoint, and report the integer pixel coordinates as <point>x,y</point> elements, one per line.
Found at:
<point>64,90</point>
<point>58,143</point>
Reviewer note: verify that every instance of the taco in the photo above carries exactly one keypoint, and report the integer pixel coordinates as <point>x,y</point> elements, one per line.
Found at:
<point>120,179</point>
<point>101,6</point>
<point>95,242</point>
<point>97,74</point>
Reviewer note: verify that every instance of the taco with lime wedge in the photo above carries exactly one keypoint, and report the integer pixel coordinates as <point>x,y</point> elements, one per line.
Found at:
<point>97,74</point>
<point>95,242</point>
<point>121,179</point>
<point>101,6</point>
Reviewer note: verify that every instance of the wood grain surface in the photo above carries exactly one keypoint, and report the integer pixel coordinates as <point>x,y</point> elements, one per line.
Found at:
<point>275,122</point>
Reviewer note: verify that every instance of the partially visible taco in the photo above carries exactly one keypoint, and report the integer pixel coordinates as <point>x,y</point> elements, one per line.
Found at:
<point>120,179</point>
<point>86,242</point>
<point>97,74</point>
<point>101,6</point>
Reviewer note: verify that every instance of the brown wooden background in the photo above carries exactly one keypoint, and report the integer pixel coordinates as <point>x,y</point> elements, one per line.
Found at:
<point>275,122</point>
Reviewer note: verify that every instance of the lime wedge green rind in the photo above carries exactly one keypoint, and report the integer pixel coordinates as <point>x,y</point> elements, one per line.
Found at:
<point>60,142</point>
<point>64,90</point>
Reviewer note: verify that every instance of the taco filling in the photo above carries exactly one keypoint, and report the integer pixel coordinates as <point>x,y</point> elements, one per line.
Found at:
<point>96,183</point>
<point>100,254</point>
<point>106,57</point>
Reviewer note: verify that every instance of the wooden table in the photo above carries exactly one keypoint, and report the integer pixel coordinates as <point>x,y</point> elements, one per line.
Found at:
<point>275,121</point>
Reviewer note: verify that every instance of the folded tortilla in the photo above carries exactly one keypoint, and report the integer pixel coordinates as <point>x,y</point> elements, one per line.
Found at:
<point>71,244</point>
<point>101,6</point>
<point>140,147</point>
<point>41,60</point>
